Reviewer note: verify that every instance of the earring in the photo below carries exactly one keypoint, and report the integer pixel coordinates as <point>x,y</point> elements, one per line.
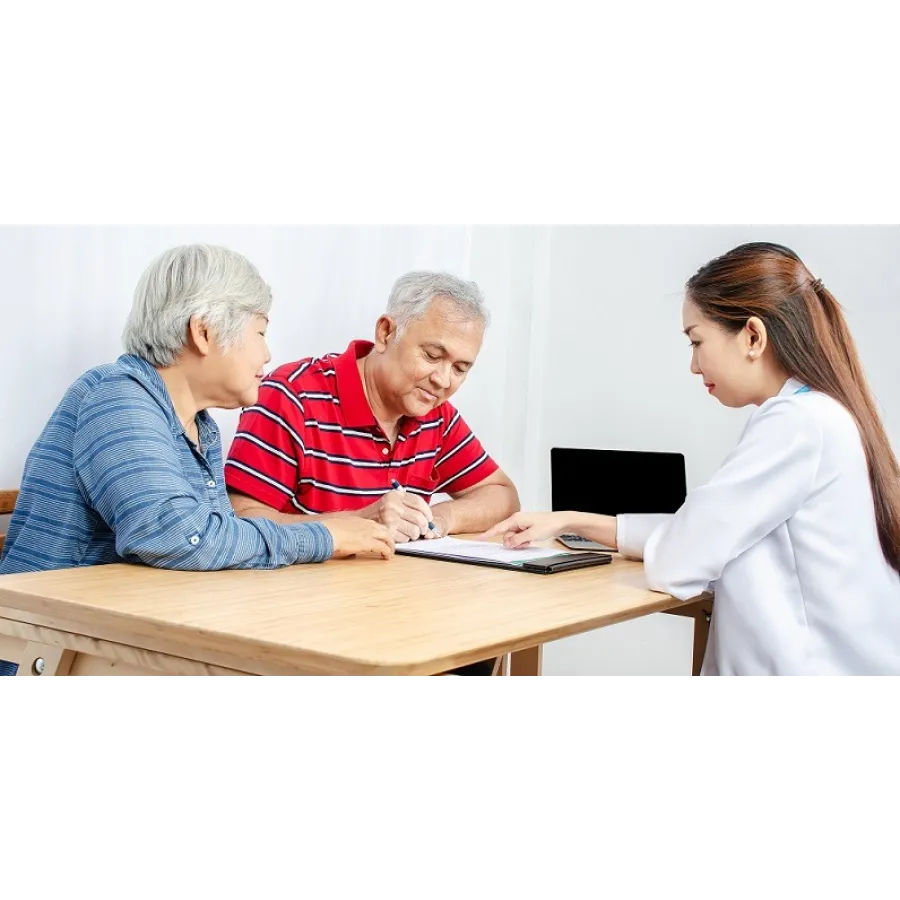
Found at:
<point>752,353</point>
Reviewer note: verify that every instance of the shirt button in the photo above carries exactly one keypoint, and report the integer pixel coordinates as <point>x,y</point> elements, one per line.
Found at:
<point>385,451</point>
<point>195,539</point>
<point>210,483</point>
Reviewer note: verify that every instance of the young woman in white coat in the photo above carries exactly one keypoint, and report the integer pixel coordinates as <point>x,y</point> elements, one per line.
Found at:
<point>798,533</point>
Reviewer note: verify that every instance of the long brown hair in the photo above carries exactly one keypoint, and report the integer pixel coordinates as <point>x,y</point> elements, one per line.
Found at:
<point>811,341</point>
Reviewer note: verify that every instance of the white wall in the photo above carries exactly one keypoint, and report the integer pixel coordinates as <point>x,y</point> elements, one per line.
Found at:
<point>584,350</point>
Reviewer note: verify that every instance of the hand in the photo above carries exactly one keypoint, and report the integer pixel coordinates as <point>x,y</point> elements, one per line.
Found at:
<point>352,536</point>
<point>404,514</point>
<point>441,528</point>
<point>521,529</point>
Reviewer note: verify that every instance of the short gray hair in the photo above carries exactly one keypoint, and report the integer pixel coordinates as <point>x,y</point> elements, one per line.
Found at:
<point>220,287</point>
<point>414,292</point>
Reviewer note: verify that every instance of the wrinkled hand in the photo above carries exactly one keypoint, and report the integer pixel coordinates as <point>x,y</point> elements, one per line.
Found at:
<point>353,536</point>
<point>405,515</point>
<point>521,529</point>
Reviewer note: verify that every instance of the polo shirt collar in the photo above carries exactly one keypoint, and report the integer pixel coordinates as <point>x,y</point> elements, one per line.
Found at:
<point>354,406</point>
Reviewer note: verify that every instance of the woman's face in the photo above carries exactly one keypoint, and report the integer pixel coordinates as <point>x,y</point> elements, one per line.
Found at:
<point>722,358</point>
<point>237,373</point>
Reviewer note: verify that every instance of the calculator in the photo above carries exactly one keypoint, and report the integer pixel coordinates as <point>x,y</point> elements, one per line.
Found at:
<point>577,542</point>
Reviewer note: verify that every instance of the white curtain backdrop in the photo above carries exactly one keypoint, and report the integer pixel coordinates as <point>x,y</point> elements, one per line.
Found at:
<point>67,291</point>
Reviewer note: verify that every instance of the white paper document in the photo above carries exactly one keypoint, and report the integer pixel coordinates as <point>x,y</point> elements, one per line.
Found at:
<point>484,550</point>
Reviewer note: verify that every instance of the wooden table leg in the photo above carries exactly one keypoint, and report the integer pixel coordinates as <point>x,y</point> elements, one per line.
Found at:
<point>42,659</point>
<point>701,612</point>
<point>526,662</point>
<point>701,634</point>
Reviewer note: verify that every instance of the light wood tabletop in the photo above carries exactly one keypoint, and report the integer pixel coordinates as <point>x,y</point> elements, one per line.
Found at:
<point>408,616</point>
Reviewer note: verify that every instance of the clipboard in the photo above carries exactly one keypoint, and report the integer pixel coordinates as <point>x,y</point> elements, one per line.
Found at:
<point>544,565</point>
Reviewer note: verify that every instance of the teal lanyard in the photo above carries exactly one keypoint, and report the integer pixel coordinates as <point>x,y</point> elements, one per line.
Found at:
<point>802,390</point>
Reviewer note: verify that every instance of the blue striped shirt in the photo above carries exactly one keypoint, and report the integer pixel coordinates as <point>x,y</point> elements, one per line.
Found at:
<point>114,478</point>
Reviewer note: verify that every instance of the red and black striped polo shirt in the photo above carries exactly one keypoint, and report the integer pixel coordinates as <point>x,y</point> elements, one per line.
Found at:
<point>311,443</point>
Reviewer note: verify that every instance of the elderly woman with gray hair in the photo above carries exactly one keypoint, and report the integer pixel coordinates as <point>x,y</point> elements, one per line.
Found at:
<point>129,467</point>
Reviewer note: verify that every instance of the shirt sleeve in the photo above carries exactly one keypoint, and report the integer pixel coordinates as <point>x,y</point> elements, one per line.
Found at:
<point>266,456</point>
<point>634,530</point>
<point>128,466</point>
<point>762,483</point>
<point>462,462</point>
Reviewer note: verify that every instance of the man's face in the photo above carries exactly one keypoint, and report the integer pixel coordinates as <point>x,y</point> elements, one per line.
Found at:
<point>430,360</point>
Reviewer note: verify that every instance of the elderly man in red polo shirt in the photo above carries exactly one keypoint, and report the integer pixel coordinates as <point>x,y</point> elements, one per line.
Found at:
<point>371,432</point>
<point>338,434</point>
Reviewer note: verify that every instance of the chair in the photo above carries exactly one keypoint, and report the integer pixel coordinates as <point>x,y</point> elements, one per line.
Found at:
<point>7,505</point>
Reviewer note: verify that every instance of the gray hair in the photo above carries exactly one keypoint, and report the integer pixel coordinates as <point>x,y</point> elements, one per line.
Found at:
<point>218,286</point>
<point>414,292</point>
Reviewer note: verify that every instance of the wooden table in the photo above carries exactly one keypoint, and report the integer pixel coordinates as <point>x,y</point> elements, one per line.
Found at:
<point>409,616</point>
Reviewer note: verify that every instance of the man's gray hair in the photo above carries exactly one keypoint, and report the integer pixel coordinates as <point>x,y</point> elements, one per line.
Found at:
<point>220,287</point>
<point>414,292</point>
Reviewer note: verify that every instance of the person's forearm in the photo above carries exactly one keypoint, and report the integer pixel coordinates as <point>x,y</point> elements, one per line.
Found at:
<point>601,529</point>
<point>248,508</point>
<point>477,511</point>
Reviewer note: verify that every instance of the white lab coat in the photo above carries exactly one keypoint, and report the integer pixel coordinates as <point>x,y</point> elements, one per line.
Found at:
<point>785,535</point>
